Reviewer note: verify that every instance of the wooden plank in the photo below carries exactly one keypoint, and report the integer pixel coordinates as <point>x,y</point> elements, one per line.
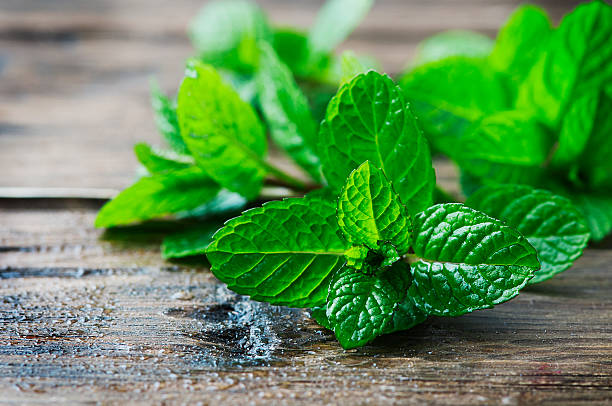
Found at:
<point>117,325</point>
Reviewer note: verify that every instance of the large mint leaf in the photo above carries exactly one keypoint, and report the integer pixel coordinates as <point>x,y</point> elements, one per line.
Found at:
<point>576,128</point>
<point>520,41</point>
<point>551,223</point>
<point>595,162</point>
<point>360,306</point>
<point>160,161</point>
<point>405,316</point>
<point>597,211</point>
<point>448,96</point>
<point>506,147</point>
<point>369,120</point>
<point>166,119</point>
<point>335,21</point>
<point>452,43</point>
<point>577,61</point>
<point>286,111</point>
<point>466,260</point>
<point>284,252</point>
<point>226,34</point>
<point>157,196</point>
<point>222,132</point>
<point>370,212</point>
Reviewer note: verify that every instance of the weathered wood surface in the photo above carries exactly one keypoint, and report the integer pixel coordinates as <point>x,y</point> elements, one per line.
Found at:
<point>88,317</point>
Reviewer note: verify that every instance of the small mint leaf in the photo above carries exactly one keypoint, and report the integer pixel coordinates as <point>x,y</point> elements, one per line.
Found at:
<point>370,212</point>
<point>360,306</point>
<point>222,131</point>
<point>286,111</point>
<point>157,196</point>
<point>160,161</point>
<point>166,119</point>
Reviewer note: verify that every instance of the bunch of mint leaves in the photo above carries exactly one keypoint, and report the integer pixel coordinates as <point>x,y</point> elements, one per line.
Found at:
<point>534,107</point>
<point>365,247</point>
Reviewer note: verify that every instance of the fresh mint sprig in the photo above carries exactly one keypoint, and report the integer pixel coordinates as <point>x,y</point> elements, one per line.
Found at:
<point>536,109</point>
<point>365,247</point>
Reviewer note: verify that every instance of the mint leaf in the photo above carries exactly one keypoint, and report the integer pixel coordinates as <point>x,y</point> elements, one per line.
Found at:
<point>222,132</point>
<point>286,111</point>
<point>577,61</point>
<point>405,316</point>
<point>576,128</point>
<point>166,119</point>
<point>190,242</point>
<point>452,43</point>
<point>520,41</point>
<point>369,120</point>
<point>351,66</point>
<point>595,162</point>
<point>334,22</point>
<point>226,34</point>
<point>551,223</point>
<point>320,316</point>
<point>597,211</point>
<point>160,161</point>
<point>450,95</point>
<point>360,306</point>
<point>370,212</point>
<point>157,196</point>
<point>506,147</point>
<point>284,252</point>
<point>291,46</point>
<point>466,260</point>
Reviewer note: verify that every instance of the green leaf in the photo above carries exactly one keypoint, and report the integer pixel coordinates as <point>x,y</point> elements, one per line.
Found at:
<point>225,202</point>
<point>508,137</point>
<point>226,34</point>
<point>160,161</point>
<point>595,162</point>
<point>370,212</point>
<point>334,22</point>
<point>286,111</point>
<point>520,41</point>
<point>450,95</point>
<point>369,120</point>
<point>157,196</point>
<point>166,119</point>
<point>466,260</point>
<point>506,147</point>
<point>452,43</point>
<point>577,61</point>
<point>351,66</point>
<point>360,306</point>
<point>576,129</point>
<point>284,252</point>
<point>405,316</point>
<point>320,316</point>
<point>222,132</point>
<point>551,223</point>
<point>597,211</point>
<point>190,242</point>
<point>291,46</point>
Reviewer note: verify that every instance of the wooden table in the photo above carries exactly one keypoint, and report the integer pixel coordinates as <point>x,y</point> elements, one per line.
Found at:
<point>93,317</point>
